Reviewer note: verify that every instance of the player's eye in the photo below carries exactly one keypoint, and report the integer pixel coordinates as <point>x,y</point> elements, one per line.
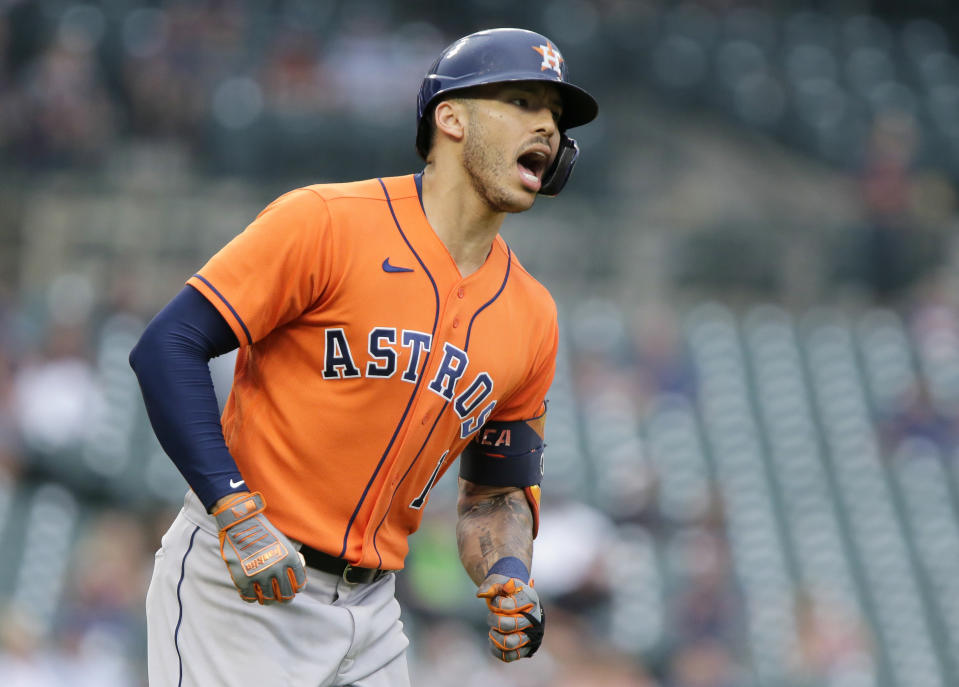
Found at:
<point>520,102</point>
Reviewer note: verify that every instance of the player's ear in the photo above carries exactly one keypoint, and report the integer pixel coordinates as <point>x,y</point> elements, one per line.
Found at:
<point>450,117</point>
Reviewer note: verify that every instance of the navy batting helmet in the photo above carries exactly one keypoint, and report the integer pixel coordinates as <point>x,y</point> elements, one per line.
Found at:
<point>499,56</point>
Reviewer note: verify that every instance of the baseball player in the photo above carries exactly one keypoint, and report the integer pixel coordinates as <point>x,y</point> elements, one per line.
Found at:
<point>385,329</point>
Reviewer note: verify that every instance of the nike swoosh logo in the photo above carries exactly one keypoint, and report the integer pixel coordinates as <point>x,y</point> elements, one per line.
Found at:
<point>234,485</point>
<point>387,267</point>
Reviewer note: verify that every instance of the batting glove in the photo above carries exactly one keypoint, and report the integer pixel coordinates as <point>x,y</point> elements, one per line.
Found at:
<point>264,565</point>
<point>515,618</point>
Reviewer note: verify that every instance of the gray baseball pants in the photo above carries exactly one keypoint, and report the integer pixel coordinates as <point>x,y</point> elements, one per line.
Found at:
<point>201,634</point>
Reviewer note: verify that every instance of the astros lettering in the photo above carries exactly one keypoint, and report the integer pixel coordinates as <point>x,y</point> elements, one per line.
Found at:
<point>382,364</point>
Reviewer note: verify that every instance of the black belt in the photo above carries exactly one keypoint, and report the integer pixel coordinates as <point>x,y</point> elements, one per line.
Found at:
<point>337,566</point>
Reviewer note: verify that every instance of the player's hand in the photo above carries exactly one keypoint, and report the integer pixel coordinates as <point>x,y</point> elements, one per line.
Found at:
<point>264,565</point>
<point>516,619</point>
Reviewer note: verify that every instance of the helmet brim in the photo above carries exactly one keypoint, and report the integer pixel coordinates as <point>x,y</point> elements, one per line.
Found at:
<point>579,107</point>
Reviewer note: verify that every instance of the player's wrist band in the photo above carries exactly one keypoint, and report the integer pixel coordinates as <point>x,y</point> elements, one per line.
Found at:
<point>352,574</point>
<point>510,566</point>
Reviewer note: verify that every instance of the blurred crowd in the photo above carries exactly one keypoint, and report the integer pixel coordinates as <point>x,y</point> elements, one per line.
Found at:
<point>641,587</point>
<point>638,567</point>
<point>81,78</point>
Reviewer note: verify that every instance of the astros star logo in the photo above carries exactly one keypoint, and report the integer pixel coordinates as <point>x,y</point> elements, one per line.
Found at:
<point>551,58</point>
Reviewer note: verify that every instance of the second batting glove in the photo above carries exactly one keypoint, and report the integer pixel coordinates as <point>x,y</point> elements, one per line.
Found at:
<point>515,618</point>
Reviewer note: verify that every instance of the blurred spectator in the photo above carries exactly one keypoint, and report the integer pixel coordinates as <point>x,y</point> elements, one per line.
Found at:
<point>25,660</point>
<point>449,653</point>
<point>662,365</point>
<point>70,114</point>
<point>571,558</point>
<point>29,659</point>
<point>106,581</point>
<point>704,605</point>
<point>101,623</point>
<point>296,81</point>
<point>920,418</point>
<point>452,654</point>
<point>831,641</point>
<point>9,431</point>
<point>704,663</point>
<point>56,394</point>
<point>893,248</point>
<point>577,662</point>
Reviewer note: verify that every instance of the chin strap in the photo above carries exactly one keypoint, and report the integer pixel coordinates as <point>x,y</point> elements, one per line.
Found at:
<point>558,174</point>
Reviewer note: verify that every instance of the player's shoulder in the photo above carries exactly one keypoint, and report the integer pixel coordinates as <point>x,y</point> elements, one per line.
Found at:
<point>367,189</point>
<point>528,287</point>
<point>375,189</point>
<point>332,200</point>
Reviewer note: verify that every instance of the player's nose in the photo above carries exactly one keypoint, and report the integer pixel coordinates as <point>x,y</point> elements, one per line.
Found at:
<point>545,121</point>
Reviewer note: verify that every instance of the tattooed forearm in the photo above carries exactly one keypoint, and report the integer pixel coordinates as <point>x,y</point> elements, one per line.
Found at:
<point>486,542</point>
<point>493,522</point>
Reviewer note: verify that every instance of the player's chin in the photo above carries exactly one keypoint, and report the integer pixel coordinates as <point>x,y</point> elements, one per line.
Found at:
<point>525,203</point>
<point>527,188</point>
<point>511,196</point>
<point>521,199</point>
<point>511,201</point>
<point>518,207</point>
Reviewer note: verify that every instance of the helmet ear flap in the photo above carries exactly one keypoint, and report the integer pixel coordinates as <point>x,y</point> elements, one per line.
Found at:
<point>558,174</point>
<point>424,134</point>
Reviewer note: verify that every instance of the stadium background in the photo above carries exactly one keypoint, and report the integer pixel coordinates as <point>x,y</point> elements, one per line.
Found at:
<point>752,477</point>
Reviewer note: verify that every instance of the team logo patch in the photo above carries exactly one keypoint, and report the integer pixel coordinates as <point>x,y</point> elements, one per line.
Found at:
<point>551,58</point>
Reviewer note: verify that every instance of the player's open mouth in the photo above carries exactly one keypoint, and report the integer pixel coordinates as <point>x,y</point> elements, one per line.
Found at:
<point>531,166</point>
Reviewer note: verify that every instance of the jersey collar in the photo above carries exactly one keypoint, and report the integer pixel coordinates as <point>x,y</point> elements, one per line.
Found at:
<point>412,217</point>
<point>418,179</point>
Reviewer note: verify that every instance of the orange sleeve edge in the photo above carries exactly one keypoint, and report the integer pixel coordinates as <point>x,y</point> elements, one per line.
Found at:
<point>225,312</point>
<point>533,495</point>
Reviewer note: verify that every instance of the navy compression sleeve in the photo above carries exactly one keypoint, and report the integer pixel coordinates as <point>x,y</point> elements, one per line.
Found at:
<point>171,361</point>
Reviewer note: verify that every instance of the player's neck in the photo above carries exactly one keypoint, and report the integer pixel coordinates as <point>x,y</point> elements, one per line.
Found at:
<point>464,223</point>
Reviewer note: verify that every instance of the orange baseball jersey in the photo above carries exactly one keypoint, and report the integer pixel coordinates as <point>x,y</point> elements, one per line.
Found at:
<point>367,362</point>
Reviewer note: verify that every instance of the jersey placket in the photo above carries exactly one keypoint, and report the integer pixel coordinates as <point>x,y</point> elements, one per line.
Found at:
<point>413,462</point>
<point>411,459</point>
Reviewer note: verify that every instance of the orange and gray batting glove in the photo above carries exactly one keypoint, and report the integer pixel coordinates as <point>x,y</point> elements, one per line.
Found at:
<point>264,565</point>
<point>515,618</point>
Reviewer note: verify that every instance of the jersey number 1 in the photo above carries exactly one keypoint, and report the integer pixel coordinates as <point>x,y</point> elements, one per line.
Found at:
<point>420,500</point>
